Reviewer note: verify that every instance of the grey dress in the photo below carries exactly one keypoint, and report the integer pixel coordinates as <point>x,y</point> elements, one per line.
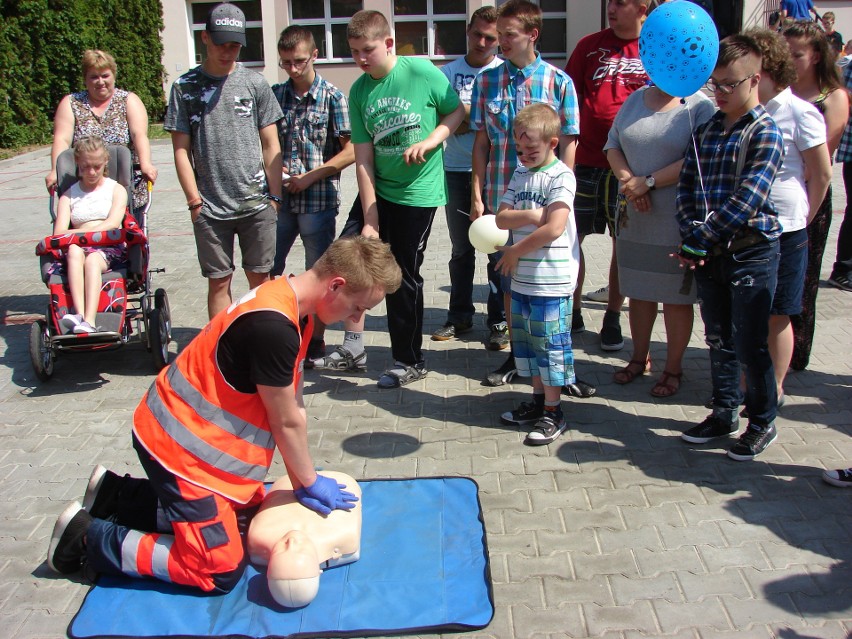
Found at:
<point>650,141</point>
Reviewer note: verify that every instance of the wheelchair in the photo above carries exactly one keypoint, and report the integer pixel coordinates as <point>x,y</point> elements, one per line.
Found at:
<point>127,298</point>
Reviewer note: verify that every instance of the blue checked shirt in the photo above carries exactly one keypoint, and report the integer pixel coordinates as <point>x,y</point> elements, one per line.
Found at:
<point>498,95</point>
<point>732,201</point>
<point>844,151</point>
<point>309,135</point>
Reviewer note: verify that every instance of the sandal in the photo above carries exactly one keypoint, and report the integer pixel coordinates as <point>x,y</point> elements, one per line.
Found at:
<point>628,373</point>
<point>347,362</point>
<point>665,388</point>
<point>579,389</point>
<point>393,379</point>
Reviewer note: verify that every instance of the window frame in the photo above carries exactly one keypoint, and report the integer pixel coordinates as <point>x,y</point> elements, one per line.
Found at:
<point>326,22</point>
<point>431,18</point>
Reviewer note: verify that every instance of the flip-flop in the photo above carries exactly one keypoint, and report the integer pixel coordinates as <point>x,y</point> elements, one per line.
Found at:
<point>393,379</point>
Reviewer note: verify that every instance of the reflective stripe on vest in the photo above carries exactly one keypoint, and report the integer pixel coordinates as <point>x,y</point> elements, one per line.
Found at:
<point>138,547</point>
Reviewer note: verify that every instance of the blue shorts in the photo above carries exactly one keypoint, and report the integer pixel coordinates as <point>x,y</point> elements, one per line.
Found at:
<point>596,200</point>
<point>791,273</point>
<point>541,338</point>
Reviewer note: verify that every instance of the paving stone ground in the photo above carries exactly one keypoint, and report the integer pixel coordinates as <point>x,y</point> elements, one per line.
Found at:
<point>616,530</point>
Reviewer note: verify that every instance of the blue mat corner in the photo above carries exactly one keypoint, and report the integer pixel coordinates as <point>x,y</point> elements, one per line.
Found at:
<point>423,568</point>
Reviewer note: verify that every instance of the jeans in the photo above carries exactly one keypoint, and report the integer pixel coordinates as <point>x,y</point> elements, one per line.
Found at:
<point>316,230</point>
<point>843,261</point>
<point>735,296</point>
<point>462,264</point>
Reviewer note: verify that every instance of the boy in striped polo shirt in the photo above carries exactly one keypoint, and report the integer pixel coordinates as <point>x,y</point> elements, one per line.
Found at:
<point>543,259</point>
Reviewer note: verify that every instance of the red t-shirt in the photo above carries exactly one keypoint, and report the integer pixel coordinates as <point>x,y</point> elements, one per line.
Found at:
<point>605,70</point>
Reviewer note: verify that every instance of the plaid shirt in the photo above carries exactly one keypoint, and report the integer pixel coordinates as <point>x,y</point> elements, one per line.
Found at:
<point>732,201</point>
<point>309,134</point>
<point>844,151</point>
<point>498,95</point>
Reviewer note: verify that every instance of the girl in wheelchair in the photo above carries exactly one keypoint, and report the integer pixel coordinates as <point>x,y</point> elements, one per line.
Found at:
<point>94,203</point>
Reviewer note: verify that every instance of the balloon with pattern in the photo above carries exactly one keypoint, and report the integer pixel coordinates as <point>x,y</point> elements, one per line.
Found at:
<point>679,45</point>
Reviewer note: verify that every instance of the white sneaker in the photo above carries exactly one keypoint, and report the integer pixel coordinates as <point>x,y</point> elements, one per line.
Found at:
<point>600,295</point>
<point>71,320</point>
<point>84,328</point>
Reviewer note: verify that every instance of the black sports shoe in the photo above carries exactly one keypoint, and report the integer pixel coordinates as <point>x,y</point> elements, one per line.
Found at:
<point>67,547</point>
<point>611,339</point>
<point>498,338</point>
<point>579,389</point>
<point>711,428</point>
<point>752,442</point>
<point>840,281</point>
<point>842,477</point>
<point>526,413</point>
<point>504,374</point>
<point>449,330</point>
<point>102,493</point>
<point>546,429</point>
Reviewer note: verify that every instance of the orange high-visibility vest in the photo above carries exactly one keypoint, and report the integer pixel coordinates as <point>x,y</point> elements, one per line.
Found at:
<point>202,429</point>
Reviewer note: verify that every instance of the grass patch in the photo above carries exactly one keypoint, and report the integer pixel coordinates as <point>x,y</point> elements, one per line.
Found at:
<point>156,132</point>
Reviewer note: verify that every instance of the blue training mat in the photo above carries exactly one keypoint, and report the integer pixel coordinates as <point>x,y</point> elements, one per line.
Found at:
<point>423,568</point>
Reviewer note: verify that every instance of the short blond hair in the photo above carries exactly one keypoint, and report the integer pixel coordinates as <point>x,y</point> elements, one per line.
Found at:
<point>91,144</point>
<point>540,118</point>
<point>97,59</point>
<point>365,263</point>
<point>368,24</point>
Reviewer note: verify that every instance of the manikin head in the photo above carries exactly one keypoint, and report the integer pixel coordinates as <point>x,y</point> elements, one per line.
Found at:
<point>293,573</point>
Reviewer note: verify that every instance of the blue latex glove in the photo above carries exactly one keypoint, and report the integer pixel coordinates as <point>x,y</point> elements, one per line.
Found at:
<point>325,495</point>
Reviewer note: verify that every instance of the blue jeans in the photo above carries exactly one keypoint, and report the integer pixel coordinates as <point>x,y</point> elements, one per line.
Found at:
<point>735,294</point>
<point>462,264</point>
<point>316,230</point>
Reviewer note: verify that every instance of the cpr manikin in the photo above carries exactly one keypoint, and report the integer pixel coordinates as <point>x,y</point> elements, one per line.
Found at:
<point>297,543</point>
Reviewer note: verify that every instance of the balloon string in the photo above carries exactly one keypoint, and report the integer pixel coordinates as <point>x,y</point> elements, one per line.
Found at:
<point>697,161</point>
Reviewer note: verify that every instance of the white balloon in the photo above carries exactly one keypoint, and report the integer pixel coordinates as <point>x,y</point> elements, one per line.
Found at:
<point>484,234</point>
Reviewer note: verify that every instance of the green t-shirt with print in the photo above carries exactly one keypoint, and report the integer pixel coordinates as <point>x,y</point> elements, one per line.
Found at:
<point>393,113</point>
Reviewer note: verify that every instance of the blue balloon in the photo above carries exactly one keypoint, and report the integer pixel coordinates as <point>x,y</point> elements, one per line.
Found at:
<point>679,46</point>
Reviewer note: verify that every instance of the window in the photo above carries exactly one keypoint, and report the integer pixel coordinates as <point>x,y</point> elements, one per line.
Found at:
<point>435,28</point>
<point>553,42</point>
<point>327,19</point>
<point>252,53</point>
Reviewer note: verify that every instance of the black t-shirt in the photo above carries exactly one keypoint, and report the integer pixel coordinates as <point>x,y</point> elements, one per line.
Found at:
<point>258,348</point>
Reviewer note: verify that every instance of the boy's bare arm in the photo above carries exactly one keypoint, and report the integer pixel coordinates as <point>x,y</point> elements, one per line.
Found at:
<point>481,150</point>
<point>366,175</point>
<point>271,149</point>
<point>516,218</point>
<point>416,153</point>
<point>567,149</point>
<point>556,217</point>
<point>333,166</point>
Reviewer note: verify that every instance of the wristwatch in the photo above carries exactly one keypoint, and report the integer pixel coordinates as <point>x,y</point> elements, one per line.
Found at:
<point>650,182</point>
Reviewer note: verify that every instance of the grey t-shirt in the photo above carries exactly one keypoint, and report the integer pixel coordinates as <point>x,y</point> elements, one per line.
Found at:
<point>222,116</point>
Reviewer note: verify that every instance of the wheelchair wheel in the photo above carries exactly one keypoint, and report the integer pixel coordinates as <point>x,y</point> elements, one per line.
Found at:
<point>41,354</point>
<point>158,338</point>
<point>161,301</point>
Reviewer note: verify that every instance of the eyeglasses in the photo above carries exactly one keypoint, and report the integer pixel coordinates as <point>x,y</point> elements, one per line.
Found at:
<point>293,64</point>
<point>727,89</point>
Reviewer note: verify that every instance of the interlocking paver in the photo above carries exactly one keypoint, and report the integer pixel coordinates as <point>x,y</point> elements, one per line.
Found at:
<point>618,530</point>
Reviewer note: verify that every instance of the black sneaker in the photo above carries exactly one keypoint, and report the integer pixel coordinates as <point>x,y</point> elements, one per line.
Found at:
<point>841,281</point>
<point>449,331</point>
<point>546,430</point>
<point>67,548</point>
<point>504,374</point>
<point>102,493</point>
<point>711,428</point>
<point>577,323</point>
<point>752,442</point>
<point>842,477</point>
<point>498,339</point>
<point>526,413</point>
<point>611,339</point>
<point>579,389</point>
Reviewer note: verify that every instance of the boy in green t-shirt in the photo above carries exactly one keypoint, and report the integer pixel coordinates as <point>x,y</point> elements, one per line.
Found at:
<point>402,109</point>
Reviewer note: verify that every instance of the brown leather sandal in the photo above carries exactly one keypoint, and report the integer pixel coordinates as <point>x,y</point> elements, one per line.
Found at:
<point>665,388</point>
<point>630,372</point>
